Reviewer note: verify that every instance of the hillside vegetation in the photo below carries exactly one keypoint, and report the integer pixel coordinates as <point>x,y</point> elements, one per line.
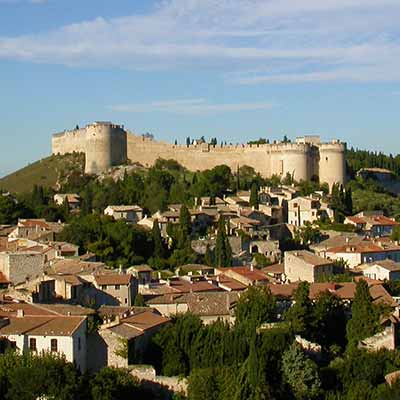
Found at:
<point>47,172</point>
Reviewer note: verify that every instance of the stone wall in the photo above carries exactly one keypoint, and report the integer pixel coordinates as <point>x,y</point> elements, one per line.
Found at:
<point>107,144</point>
<point>17,267</point>
<point>148,374</point>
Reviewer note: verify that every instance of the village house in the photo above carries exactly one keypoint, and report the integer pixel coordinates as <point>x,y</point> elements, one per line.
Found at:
<point>365,251</point>
<point>116,289</point>
<point>307,209</point>
<point>130,213</point>
<point>382,270</point>
<point>73,200</point>
<point>372,223</point>
<point>302,265</point>
<point>125,338</point>
<point>248,276</point>
<point>142,273</point>
<point>19,266</point>
<point>28,327</point>
<point>36,229</point>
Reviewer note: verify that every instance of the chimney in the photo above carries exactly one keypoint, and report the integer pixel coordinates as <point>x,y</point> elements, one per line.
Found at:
<point>251,267</point>
<point>20,313</point>
<point>347,240</point>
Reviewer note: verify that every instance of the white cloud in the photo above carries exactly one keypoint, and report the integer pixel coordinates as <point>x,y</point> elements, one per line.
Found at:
<point>189,107</point>
<point>290,40</point>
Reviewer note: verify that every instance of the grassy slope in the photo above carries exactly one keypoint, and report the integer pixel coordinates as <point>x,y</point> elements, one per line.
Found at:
<point>45,172</point>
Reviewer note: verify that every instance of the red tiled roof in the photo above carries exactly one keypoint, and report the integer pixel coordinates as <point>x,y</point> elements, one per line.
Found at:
<point>114,279</point>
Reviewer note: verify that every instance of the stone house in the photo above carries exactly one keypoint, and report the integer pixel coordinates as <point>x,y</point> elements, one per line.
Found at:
<point>307,209</point>
<point>36,229</point>
<point>248,276</point>
<point>123,288</point>
<point>30,328</point>
<point>130,213</point>
<point>142,273</point>
<point>20,266</point>
<point>73,200</point>
<point>365,251</point>
<point>382,270</point>
<point>302,265</point>
<point>123,341</point>
<point>372,223</point>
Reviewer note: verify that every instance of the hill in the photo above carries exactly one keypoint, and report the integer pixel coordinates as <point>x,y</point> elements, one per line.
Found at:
<point>47,172</point>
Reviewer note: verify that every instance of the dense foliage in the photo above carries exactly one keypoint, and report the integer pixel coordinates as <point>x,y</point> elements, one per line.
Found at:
<point>37,376</point>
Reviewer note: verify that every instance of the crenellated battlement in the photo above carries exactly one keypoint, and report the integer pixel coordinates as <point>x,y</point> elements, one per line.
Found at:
<point>107,144</point>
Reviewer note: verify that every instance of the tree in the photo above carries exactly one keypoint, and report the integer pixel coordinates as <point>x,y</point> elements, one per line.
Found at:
<point>208,256</point>
<point>114,384</point>
<point>299,315</point>
<point>364,320</point>
<point>254,201</point>
<point>349,202</point>
<point>300,373</point>
<point>223,251</point>
<point>328,322</point>
<point>256,306</point>
<point>159,250</point>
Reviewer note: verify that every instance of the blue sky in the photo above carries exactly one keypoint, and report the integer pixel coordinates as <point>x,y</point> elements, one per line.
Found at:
<point>234,69</point>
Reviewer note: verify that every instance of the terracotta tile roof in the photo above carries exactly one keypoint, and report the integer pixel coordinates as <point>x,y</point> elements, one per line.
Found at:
<point>365,247</point>
<point>309,258</point>
<point>66,309</point>
<point>42,326</point>
<point>274,269</point>
<point>212,304</point>
<point>126,331</point>
<point>168,298</point>
<point>253,274</point>
<point>373,220</point>
<point>33,222</point>
<point>183,286</point>
<point>145,320</point>
<point>76,267</point>
<point>389,265</point>
<point>114,279</point>
<point>227,283</point>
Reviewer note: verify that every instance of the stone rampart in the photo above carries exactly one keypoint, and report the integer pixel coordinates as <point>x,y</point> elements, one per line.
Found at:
<point>106,144</point>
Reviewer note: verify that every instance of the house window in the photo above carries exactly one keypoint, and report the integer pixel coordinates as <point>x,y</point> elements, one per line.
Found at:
<point>117,287</point>
<point>103,287</point>
<point>126,300</point>
<point>54,345</point>
<point>32,344</point>
<point>79,344</point>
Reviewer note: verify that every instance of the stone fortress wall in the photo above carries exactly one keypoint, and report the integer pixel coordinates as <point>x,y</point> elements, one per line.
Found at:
<point>106,145</point>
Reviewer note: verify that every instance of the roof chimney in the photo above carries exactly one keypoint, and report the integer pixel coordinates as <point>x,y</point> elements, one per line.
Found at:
<point>20,313</point>
<point>251,267</point>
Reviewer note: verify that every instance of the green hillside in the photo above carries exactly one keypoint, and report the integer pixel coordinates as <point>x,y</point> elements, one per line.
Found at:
<point>46,172</point>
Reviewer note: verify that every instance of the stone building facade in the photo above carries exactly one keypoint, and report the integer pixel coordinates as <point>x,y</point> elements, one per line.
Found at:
<point>106,144</point>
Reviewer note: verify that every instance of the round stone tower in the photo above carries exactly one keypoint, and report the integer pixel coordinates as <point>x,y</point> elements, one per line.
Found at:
<point>291,158</point>
<point>106,146</point>
<point>332,164</point>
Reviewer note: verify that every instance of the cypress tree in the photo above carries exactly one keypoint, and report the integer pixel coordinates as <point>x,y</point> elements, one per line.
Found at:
<point>254,196</point>
<point>159,250</point>
<point>208,258</point>
<point>364,315</point>
<point>223,251</point>
<point>185,228</point>
<point>349,202</point>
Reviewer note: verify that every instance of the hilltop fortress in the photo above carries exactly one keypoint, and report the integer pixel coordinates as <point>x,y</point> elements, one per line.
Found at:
<point>106,145</point>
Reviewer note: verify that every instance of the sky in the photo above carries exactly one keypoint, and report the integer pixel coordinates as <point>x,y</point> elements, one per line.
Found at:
<point>232,69</point>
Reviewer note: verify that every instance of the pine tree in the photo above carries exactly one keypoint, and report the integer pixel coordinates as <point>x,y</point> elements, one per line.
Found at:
<point>159,250</point>
<point>223,251</point>
<point>254,202</point>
